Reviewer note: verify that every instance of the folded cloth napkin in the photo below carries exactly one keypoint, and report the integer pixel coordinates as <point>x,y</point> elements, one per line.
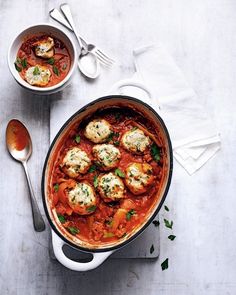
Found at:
<point>193,135</point>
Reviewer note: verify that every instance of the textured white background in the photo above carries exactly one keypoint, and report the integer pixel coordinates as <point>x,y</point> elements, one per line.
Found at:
<point>202,260</point>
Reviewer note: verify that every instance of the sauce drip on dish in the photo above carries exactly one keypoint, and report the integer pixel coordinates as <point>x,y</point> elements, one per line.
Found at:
<point>106,175</point>
<point>43,61</point>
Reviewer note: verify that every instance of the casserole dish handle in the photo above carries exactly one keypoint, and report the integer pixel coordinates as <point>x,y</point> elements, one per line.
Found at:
<point>98,258</point>
<point>117,88</point>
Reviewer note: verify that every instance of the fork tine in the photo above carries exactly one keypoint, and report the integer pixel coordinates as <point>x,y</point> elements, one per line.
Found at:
<point>103,61</point>
<point>104,55</point>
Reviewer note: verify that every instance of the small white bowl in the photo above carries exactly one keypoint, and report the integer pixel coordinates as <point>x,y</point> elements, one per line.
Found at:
<point>42,29</point>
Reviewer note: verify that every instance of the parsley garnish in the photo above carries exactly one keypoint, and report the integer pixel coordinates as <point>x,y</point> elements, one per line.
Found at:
<point>51,61</point>
<point>120,173</point>
<point>55,70</point>
<point>24,63</point>
<point>130,214</point>
<point>166,208</point>
<point>95,181</point>
<point>171,237</point>
<point>152,249</point>
<point>77,138</point>
<point>156,223</point>
<point>36,71</point>
<point>117,143</point>
<point>92,169</point>
<point>56,187</point>
<point>155,152</point>
<point>19,69</point>
<point>61,218</point>
<point>164,264</point>
<point>168,224</point>
<point>92,208</point>
<point>73,230</point>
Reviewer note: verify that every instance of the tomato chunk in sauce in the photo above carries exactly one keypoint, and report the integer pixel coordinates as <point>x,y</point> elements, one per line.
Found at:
<point>136,174</point>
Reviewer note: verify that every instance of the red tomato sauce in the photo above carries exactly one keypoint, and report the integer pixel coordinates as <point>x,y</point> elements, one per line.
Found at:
<point>17,135</point>
<point>99,227</point>
<point>59,65</point>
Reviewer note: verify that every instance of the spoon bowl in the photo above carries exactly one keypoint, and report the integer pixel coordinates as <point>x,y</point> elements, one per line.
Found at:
<point>19,145</point>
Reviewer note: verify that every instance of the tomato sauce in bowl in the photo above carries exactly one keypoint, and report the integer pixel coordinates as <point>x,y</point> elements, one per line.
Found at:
<point>109,221</point>
<point>58,63</point>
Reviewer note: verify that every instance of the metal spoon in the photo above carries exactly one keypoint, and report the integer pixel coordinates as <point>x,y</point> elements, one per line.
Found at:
<point>87,62</point>
<point>20,147</point>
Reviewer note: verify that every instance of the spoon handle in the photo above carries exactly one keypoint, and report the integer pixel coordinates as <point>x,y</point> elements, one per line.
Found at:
<point>39,224</point>
<point>65,8</point>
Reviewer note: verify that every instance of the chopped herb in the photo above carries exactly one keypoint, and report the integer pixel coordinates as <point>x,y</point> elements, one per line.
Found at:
<point>61,218</point>
<point>152,249</point>
<point>155,152</point>
<point>120,173</point>
<point>117,143</point>
<point>130,214</point>
<point>171,237</point>
<point>156,223</point>
<point>166,208</point>
<point>55,70</point>
<point>56,187</point>
<point>164,264</point>
<point>124,235</point>
<point>64,67</point>
<point>117,116</point>
<point>108,235</point>
<point>112,134</point>
<point>95,181</point>
<point>168,224</point>
<point>92,208</point>
<point>36,71</point>
<point>24,63</point>
<point>73,230</point>
<point>134,128</point>
<point>92,169</point>
<point>77,138</point>
<point>51,61</point>
<point>19,69</point>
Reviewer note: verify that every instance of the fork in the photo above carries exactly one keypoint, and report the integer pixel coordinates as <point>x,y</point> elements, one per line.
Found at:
<point>84,46</point>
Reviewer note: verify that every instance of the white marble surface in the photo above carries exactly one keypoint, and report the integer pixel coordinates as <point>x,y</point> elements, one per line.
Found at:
<point>202,260</point>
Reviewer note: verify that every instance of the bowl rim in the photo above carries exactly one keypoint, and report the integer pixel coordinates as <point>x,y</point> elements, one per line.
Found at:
<point>36,88</point>
<point>154,213</point>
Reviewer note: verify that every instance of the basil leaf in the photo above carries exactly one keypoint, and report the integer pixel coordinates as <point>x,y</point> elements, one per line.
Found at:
<point>73,230</point>
<point>55,70</point>
<point>166,208</point>
<point>51,61</point>
<point>36,71</point>
<point>152,249</point>
<point>172,237</point>
<point>168,224</point>
<point>77,138</point>
<point>92,169</point>
<point>92,208</point>
<point>19,69</point>
<point>155,152</point>
<point>95,181</point>
<point>165,264</point>
<point>130,214</point>
<point>61,218</point>
<point>56,187</point>
<point>120,173</point>
<point>113,134</point>
<point>156,223</point>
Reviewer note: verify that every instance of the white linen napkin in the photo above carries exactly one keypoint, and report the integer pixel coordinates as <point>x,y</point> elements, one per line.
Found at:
<point>194,137</point>
<point>193,134</point>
